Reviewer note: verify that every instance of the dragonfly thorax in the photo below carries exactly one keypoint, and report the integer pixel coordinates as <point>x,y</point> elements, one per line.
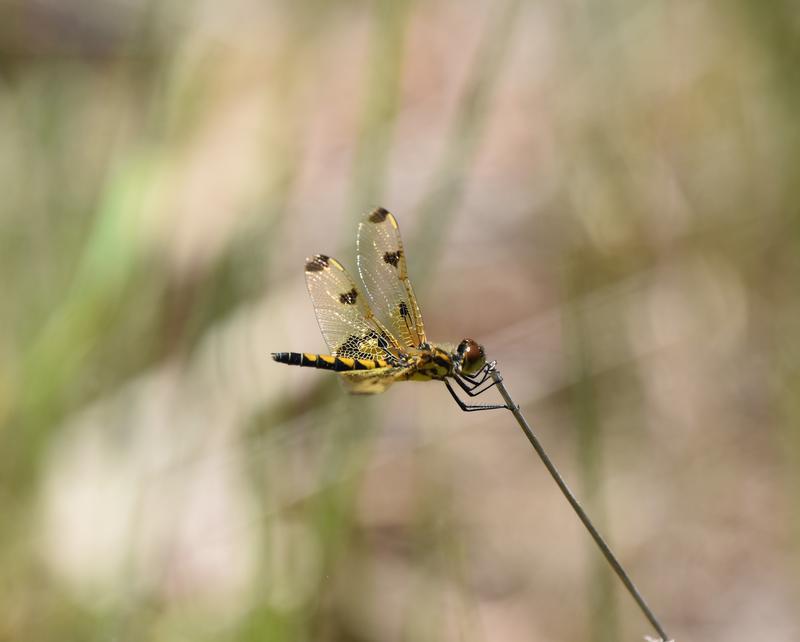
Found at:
<point>433,362</point>
<point>438,362</point>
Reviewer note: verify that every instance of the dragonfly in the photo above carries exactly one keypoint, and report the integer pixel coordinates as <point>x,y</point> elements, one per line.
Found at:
<point>379,339</point>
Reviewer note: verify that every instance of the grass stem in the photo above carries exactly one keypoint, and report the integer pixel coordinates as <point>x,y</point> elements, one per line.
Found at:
<point>576,506</point>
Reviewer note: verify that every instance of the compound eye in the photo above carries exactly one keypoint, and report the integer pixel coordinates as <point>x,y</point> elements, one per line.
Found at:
<point>472,356</point>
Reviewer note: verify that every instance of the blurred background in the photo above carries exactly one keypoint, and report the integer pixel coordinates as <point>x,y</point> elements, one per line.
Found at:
<point>605,194</point>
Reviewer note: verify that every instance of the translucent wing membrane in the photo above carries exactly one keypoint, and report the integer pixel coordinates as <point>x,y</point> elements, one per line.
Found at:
<point>382,267</point>
<point>373,381</point>
<point>347,323</point>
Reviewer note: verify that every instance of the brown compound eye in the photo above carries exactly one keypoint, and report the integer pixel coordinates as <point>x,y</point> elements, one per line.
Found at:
<point>472,356</point>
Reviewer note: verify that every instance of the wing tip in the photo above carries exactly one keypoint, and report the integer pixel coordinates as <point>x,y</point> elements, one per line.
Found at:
<point>317,263</point>
<point>378,215</point>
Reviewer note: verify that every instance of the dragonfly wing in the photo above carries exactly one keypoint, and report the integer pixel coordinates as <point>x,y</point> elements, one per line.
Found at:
<point>345,318</point>
<point>370,382</point>
<point>383,270</point>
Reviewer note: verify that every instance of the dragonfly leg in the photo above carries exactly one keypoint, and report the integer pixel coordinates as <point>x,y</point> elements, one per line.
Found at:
<point>482,375</point>
<point>471,407</point>
<point>472,387</point>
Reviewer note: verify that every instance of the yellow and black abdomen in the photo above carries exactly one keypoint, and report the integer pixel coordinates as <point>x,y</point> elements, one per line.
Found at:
<point>328,362</point>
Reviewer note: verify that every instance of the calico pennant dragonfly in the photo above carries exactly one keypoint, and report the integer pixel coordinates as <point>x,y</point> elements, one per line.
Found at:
<point>380,339</point>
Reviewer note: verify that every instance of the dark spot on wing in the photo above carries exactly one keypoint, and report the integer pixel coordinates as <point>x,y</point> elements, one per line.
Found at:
<point>378,215</point>
<point>349,298</point>
<point>354,344</point>
<point>393,258</point>
<point>403,309</point>
<point>350,345</point>
<point>318,263</point>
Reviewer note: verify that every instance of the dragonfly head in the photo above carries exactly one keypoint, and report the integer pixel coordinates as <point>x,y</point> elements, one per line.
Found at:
<point>471,357</point>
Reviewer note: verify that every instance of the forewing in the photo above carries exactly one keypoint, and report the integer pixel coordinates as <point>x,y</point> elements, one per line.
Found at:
<point>347,323</point>
<point>371,382</point>
<point>382,267</point>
